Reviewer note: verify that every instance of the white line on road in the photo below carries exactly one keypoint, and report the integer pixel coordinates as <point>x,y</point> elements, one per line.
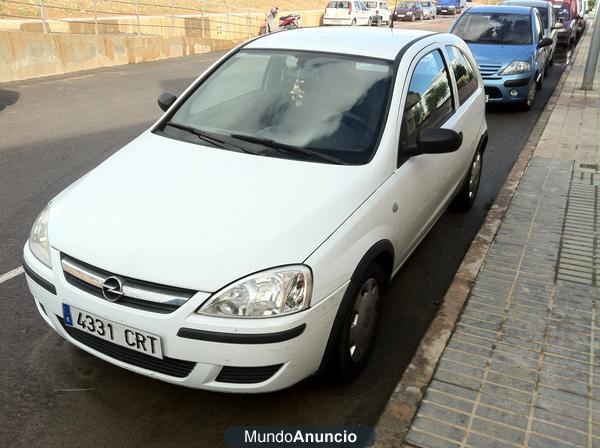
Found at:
<point>11,274</point>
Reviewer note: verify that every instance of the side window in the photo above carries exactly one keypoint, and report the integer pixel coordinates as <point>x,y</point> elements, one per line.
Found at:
<point>539,30</point>
<point>466,81</point>
<point>429,98</point>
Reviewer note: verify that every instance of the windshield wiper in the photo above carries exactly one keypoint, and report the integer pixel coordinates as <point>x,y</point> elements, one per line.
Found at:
<point>290,149</point>
<point>206,136</point>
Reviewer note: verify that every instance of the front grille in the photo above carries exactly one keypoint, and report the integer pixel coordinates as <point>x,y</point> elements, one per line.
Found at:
<point>167,366</point>
<point>136,293</point>
<point>493,92</point>
<point>247,375</point>
<point>488,70</point>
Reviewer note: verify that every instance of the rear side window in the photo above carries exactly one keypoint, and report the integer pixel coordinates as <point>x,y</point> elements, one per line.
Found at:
<point>466,81</point>
<point>429,98</point>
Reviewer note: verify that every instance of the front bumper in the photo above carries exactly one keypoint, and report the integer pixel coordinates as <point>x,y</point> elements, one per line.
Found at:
<point>292,346</point>
<point>445,10</point>
<point>498,89</point>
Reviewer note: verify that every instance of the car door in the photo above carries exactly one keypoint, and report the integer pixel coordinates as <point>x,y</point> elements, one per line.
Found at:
<point>384,12</point>
<point>424,184</point>
<point>469,105</point>
<point>366,14</point>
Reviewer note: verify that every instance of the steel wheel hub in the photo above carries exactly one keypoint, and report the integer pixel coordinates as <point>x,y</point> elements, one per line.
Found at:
<point>364,319</point>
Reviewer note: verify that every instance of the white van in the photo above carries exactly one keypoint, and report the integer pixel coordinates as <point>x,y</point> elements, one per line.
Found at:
<point>347,13</point>
<point>380,12</point>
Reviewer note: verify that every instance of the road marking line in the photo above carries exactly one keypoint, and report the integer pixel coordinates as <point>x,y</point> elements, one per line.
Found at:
<point>11,274</point>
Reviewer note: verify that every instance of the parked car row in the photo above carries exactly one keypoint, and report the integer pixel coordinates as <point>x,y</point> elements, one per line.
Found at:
<point>377,12</point>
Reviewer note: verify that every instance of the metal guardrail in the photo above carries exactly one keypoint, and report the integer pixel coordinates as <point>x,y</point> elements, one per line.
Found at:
<point>207,17</point>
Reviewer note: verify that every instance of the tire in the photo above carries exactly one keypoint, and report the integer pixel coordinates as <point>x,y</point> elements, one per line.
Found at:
<point>538,84</point>
<point>360,320</point>
<point>379,22</point>
<point>412,18</point>
<point>528,103</point>
<point>370,21</point>
<point>465,198</point>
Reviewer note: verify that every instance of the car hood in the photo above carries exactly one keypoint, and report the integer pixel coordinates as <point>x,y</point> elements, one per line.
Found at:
<point>185,215</point>
<point>499,54</point>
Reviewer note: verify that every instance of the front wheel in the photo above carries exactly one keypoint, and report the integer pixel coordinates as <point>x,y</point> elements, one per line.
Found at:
<point>531,94</point>
<point>353,23</point>
<point>466,196</point>
<point>359,324</point>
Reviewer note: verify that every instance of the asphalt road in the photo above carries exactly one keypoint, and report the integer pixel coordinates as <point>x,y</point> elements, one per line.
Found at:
<point>52,131</point>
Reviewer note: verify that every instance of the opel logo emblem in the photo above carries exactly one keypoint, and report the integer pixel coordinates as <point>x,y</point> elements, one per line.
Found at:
<point>112,289</point>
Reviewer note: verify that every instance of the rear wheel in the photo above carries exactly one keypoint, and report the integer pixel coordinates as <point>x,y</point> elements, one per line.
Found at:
<point>353,22</point>
<point>359,324</point>
<point>466,196</point>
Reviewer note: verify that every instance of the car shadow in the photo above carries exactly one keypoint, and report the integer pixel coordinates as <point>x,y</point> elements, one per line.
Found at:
<point>8,98</point>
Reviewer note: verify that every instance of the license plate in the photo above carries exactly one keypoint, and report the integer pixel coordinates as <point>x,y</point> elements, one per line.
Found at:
<point>122,335</point>
<point>444,10</point>
<point>400,15</point>
<point>487,97</point>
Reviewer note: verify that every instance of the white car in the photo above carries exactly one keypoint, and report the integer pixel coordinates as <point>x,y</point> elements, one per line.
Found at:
<point>345,12</point>
<point>429,10</point>
<point>379,12</point>
<point>245,240</point>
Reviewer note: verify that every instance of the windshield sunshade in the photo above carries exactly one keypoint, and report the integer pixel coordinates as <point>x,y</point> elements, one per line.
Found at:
<point>269,102</point>
<point>507,29</point>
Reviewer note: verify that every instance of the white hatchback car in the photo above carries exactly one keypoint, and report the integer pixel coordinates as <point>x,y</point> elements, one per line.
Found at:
<point>245,240</point>
<point>347,12</point>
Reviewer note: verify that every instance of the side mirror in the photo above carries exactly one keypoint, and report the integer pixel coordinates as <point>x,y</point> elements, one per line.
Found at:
<point>166,100</point>
<point>545,42</point>
<point>434,141</point>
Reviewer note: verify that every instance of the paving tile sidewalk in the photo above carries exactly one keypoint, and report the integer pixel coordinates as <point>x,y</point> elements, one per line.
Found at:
<point>523,365</point>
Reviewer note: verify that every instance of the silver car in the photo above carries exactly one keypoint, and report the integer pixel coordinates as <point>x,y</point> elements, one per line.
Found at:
<point>428,10</point>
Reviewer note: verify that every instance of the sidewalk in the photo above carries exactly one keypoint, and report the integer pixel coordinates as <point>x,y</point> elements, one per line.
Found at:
<point>522,367</point>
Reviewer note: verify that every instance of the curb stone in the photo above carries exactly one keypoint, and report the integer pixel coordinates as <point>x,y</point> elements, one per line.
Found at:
<point>403,404</point>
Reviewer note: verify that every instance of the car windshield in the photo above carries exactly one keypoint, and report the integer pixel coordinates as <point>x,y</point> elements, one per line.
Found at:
<point>341,5</point>
<point>371,5</point>
<point>498,28</point>
<point>406,5</point>
<point>563,13</point>
<point>426,4</point>
<point>277,103</point>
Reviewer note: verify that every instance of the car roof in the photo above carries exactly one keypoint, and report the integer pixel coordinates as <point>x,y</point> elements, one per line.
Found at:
<point>499,9</point>
<point>381,43</point>
<point>528,3</point>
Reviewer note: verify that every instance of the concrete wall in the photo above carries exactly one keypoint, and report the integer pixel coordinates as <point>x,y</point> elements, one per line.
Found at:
<point>26,52</point>
<point>26,55</point>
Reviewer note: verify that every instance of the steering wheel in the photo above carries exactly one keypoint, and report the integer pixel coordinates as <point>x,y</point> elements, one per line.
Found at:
<point>349,116</point>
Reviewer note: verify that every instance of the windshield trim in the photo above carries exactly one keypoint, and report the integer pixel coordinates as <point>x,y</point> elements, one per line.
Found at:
<point>394,64</point>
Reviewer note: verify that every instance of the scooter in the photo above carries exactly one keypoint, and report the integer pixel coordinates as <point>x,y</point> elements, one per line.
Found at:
<point>289,22</point>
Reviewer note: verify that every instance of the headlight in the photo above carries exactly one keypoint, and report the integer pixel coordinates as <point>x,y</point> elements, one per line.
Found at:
<point>38,240</point>
<point>517,67</point>
<point>408,12</point>
<point>275,292</point>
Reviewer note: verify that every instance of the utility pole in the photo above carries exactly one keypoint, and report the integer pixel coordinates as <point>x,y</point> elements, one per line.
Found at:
<point>592,59</point>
